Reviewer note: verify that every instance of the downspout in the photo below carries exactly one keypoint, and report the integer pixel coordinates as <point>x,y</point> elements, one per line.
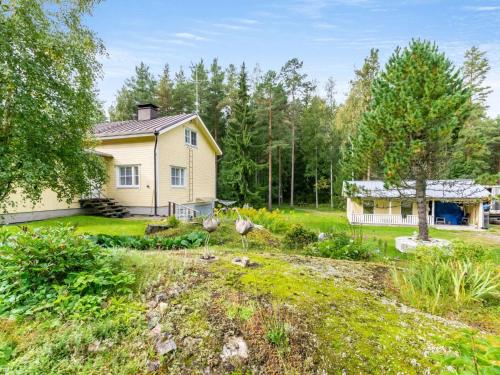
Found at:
<point>156,174</point>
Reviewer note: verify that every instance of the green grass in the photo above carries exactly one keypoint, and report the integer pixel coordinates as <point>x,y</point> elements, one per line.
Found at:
<point>92,225</point>
<point>326,221</point>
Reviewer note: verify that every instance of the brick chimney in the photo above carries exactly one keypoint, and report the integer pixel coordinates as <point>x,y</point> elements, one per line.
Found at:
<point>146,112</point>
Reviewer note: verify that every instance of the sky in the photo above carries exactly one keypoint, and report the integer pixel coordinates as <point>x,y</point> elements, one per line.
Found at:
<point>331,37</point>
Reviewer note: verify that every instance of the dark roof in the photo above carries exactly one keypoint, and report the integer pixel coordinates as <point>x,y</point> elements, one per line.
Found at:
<point>436,189</point>
<point>135,127</point>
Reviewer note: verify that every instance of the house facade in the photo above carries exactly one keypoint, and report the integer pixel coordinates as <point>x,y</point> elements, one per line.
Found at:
<point>153,164</point>
<point>450,202</point>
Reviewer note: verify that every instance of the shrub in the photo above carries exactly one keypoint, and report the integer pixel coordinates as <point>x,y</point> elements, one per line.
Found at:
<point>441,278</point>
<point>470,354</point>
<point>341,246</point>
<point>298,237</point>
<point>53,269</point>
<point>173,222</point>
<point>274,220</point>
<point>187,241</point>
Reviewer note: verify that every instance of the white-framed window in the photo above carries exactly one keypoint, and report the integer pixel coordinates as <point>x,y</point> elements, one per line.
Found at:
<point>190,137</point>
<point>127,176</point>
<point>178,176</point>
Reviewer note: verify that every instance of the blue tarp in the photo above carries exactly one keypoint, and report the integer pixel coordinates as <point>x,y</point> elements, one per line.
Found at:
<point>451,212</point>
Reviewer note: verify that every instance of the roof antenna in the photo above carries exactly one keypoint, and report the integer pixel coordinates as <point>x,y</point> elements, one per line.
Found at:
<point>197,100</point>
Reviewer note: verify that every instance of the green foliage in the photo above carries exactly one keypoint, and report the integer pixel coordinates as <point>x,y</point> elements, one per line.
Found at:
<point>173,222</point>
<point>439,279</point>
<point>298,237</point>
<point>187,241</point>
<point>419,106</point>
<point>277,329</point>
<point>48,71</point>
<point>275,220</point>
<point>238,163</point>
<point>342,246</point>
<point>54,270</point>
<point>471,355</point>
<point>139,89</point>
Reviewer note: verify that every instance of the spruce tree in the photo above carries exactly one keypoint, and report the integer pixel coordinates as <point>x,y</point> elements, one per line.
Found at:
<point>139,89</point>
<point>183,95</point>
<point>419,104</point>
<point>238,163</point>
<point>164,93</point>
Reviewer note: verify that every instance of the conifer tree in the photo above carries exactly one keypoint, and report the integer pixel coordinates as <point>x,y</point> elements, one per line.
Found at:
<point>164,93</point>
<point>183,95</point>
<point>139,89</point>
<point>419,104</point>
<point>238,163</point>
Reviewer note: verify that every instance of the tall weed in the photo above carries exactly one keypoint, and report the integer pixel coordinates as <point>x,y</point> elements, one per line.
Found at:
<point>440,279</point>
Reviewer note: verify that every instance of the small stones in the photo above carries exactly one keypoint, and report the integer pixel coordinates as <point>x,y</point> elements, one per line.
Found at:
<point>207,257</point>
<point>94,347</point>
<point>162,306</point>
<point>234,347</point>
<point>160,297</point>
<point>153,366</point>
<point>155,331</point>
<point>165,346</point>
<point>152,304</point>
<point>243,262</point>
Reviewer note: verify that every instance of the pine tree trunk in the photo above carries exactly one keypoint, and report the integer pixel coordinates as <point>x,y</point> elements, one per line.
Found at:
<point>292,175</point>
<point>420,189</point>
<point>270,160</point>
<point>316,179</point>
<point>369,172</point>
<point>331,183</point>
<point>280,189</point>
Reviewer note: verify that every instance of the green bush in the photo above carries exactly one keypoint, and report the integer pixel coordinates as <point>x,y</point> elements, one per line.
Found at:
<point>298,237</point>
<point>440,278</point>
<point>274,220</point>
<point>188,241</point>
<point>341,246</point>
<point>52,269</point>
<point>173,222</point>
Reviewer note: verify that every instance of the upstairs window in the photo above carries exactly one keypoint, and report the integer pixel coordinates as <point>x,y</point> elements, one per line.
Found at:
<point>190,137</point>
<point>128,176</point>
<point>177,176</point>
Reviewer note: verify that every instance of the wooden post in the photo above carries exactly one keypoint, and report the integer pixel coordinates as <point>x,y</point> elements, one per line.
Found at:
<point>433,211</point>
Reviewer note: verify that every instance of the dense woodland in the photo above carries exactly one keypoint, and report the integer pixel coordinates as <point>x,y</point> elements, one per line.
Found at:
<point>286,143</point>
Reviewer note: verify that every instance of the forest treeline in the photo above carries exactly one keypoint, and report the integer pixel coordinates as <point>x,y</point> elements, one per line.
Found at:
<point>284,137</point>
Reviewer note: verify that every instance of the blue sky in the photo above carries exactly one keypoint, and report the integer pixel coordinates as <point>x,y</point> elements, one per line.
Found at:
<point>332,37</point>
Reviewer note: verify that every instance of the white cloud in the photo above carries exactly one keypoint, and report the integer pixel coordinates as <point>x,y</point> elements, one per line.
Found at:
<point>231,26</point>
<point>483,8</point>
<point>325,26</point>
<point>190,36</point>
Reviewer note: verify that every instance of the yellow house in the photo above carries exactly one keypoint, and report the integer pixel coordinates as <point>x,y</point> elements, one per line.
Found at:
<point>156,166</point>
<point>450,202</point>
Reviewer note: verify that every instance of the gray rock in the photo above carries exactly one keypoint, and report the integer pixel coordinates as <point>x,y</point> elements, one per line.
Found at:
<point>162,307</point>
<point>243,262</point>
<point>152,304</point>
<point>94,347</point>
<point>160,297</point>
<point>234,347</point>
<point>155,331</point>
<point>153,366</point>
<point>164,347</point>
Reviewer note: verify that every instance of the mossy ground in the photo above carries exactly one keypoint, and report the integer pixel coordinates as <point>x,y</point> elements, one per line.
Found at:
<point>338,314</point>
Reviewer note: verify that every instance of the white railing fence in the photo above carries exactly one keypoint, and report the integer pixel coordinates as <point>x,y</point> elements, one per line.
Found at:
<point>387,219</point>
<point>182,212</point>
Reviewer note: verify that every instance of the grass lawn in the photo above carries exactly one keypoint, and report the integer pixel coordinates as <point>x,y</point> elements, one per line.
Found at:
<point>325,220</point>
<point>92,225</point>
